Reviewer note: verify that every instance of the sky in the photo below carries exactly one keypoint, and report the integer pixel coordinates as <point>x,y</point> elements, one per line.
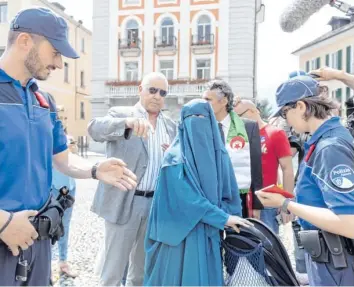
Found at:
<point>274,46</point>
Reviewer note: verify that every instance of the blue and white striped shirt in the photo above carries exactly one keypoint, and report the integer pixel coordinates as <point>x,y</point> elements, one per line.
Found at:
<point>155,152</point>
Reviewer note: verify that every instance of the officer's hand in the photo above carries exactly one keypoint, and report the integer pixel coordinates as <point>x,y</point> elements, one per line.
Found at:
<point>139,126</point>
<point>327,74</point>
<point>20,232</point>
<point>234,221</point>
<point>113,171</point>
<point>270,199</point>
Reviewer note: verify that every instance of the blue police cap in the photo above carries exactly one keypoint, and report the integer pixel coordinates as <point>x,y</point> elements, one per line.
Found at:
<point>44,22</point>
<point>295,89</point>
<point>296,74</point>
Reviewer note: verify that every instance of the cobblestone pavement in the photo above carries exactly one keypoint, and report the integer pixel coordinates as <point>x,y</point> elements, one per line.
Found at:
<point>86,235</point>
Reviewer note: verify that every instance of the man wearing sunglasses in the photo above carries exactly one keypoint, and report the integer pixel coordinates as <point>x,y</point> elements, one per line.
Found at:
<point>275,151</point>
<point>242,141</point>
<point>139,135</point>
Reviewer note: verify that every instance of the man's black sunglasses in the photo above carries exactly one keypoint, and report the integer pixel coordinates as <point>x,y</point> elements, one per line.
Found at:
<point>153,91</point>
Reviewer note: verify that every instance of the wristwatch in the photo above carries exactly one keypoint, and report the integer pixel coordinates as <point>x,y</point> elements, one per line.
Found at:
<point>94,171</point>
<point>284,207</point>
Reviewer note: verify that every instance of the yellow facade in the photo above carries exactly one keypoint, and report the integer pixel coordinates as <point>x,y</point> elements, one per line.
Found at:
<point>71,86</point>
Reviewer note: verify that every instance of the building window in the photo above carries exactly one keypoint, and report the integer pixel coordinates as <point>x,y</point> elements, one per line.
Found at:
<point>3,13</point>
<point>83,45</point>
<point>336,60</point>
<point>2,50</point>
<point>82,79</point>
<point>130,2</point>
<point>166,68</point>
<point>203,69</point>
<point>131,71</point>
<point>66,72</point>
<point>82,110</point>
<point>167,31</point>
<point>204,29</point>
<point>132,30</point>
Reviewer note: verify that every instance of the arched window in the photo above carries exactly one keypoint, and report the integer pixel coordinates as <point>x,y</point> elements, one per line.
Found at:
<point>167,31</point>
<point>204,28</point>
<point>132,29</point>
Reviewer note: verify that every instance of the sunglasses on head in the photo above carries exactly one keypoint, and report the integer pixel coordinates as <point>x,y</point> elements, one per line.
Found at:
<point>153,91</point>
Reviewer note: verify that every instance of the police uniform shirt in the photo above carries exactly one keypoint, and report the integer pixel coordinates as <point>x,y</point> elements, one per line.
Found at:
<point>30,134</point>
<point>326,177</point>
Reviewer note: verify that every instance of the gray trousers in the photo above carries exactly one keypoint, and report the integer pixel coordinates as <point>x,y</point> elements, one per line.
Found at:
<point>38,257</point>
<point>123,244</point>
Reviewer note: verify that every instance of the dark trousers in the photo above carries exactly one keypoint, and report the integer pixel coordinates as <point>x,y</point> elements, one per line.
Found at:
<point>244,205</point>
<point>38,257</point>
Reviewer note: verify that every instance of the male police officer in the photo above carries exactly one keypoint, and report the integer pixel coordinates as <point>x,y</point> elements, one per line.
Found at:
<point>31,139</point>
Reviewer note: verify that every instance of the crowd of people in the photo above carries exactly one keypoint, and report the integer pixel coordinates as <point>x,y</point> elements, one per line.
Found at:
<point>168,190</point>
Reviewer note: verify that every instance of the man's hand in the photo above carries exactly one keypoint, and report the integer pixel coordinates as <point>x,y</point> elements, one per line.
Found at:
<point>113,171</point>
<point>256,213</point>
<point>327,74</point>
<point>139,126</point>
<point>20,233</point>
<point>165,147</point>
<point>286,218</point>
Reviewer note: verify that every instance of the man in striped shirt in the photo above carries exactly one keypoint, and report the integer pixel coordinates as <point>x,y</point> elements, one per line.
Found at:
<point>139,135</point>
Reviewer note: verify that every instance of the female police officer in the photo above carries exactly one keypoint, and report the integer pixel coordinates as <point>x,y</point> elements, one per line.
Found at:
<point>325,188</point>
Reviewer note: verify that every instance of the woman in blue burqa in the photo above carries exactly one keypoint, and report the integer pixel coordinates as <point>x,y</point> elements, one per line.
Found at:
<point>195,198</point>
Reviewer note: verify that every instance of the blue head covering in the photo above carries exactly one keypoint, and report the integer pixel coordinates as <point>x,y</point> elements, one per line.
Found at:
<point>196,176</point>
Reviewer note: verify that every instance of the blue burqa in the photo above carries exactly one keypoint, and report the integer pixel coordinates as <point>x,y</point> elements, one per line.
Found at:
<point>196,192</point>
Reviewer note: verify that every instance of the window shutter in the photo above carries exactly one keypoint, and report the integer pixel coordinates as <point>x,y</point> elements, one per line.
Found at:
<point>318,63</point>
<point>348,93</point>
<point>327,60</point>
<point>349,59</point>
<point>308,66</point>
<point>340,58</point>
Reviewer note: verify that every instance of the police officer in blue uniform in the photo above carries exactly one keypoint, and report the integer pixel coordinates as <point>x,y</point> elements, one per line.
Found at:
<point>31,140</point>
<point>325,188</point>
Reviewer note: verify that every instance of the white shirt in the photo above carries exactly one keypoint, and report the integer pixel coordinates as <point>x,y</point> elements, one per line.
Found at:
<point>226,122</point>
<point>155,152</point>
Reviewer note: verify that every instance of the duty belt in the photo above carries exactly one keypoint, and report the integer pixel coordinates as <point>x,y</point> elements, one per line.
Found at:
<point>323,246</point>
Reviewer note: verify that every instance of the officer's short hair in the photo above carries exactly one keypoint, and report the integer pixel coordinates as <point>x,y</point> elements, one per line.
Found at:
<point>223,89</point>
<point>13,35</point>
<point>320,106</point>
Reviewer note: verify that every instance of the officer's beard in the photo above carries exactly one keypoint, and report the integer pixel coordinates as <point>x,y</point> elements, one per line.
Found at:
<point>34,66</point>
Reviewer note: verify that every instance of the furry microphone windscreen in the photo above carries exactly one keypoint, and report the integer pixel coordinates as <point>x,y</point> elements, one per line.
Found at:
<point>297,13</point>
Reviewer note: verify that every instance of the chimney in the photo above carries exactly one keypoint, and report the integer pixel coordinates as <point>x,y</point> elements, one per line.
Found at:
<point>59,6</point>
<point>337,22</point>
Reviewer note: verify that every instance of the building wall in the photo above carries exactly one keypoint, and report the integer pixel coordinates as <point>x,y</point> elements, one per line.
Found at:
<point>308,61</point>
<point>68,95</point>
<point>233,26</point>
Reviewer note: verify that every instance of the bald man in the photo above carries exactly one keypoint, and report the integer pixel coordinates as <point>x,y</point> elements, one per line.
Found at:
<point>275,151</point>
<point>139,135</point>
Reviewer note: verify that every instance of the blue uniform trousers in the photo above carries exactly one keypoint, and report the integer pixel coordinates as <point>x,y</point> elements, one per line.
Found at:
<point>38,257</point>
<point>324,274</point>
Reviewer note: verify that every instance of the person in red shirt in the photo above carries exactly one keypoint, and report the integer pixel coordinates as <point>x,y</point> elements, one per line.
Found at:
<point>275,151</point>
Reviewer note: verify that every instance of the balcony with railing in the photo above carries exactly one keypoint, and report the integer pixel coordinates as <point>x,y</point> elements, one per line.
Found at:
<point>165,45</point>
<point>203,44</point>
<point>129,47</point>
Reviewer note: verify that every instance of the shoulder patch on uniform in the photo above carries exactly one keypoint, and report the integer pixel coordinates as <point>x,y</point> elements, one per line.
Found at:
<point>342,177</point>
